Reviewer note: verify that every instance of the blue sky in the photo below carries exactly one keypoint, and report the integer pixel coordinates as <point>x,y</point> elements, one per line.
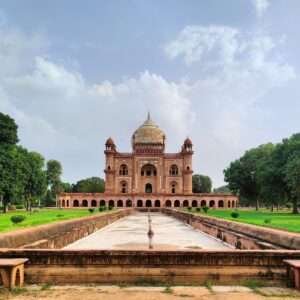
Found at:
<point>225,73</point>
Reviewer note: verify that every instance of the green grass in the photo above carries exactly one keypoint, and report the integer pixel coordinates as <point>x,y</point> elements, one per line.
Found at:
<point>280,220</point>
<point>42,216</point>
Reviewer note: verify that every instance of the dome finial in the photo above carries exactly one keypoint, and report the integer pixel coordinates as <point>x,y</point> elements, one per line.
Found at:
<point>148,116</point>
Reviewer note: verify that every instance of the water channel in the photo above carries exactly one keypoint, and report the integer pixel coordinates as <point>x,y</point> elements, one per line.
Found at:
<point>130,233</point>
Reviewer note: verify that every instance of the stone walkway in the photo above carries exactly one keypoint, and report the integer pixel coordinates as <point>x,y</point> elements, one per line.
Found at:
<point>131,233</point>
<point>149,293</point>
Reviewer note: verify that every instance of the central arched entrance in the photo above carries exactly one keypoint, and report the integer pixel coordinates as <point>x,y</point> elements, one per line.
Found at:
<point>148,203</point>
<point>148,188</point>
<point>148,170</point>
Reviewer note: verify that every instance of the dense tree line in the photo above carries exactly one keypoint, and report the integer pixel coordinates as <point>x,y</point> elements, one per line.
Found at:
<point>224,189</point>
<point>268,175</point>
<point>89,185</point>
<point>201,184</point>
<point>25,178</point>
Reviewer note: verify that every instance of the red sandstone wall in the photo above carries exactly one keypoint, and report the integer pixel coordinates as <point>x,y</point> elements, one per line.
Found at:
<point>173,267</point>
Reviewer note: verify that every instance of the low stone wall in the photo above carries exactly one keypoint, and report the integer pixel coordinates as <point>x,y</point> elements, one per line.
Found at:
<point>153,267</point>
<point>59,234</point>
<point>242,236</point>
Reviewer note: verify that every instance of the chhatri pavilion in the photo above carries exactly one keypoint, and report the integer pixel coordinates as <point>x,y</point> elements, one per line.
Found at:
<point>148,176</point>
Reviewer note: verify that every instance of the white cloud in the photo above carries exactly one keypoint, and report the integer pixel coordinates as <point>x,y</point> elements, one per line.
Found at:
<point>261,6</point>
<point>197,43</point>
<point>64,116</point>
<point>237,69</point>
<point>231,51</point>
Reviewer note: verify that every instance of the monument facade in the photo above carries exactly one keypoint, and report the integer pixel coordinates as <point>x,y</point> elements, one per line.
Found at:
<point>148,176</point>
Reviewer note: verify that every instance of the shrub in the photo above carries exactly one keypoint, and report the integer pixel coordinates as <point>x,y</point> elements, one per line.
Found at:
<point>101,208</point>
<point>17,218</point>
<point>91,210</point>
<point>253,284</point>
<point>198,209</point>
<point>168,290</point>
<point>59,215</point>
<point>288,205</point>
<point>189,208</point>
<point>235,214</point>
<point>110,208</point>
<point>104,207</point>
<point>267,221</point>
<point>19,206</point>
<point>205,209</point>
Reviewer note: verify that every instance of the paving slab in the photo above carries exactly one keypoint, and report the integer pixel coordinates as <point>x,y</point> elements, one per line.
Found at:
<point>230,289</point>
<point>278,292</point>
<point>190,291</point>
<point>144,289</point>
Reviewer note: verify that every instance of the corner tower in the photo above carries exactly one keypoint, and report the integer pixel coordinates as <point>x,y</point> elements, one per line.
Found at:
<point>187,153</point>
<point>110,151</point>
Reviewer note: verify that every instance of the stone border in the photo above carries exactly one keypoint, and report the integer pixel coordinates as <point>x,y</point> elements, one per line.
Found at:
<point>250,236</point>
<point>61,233</point>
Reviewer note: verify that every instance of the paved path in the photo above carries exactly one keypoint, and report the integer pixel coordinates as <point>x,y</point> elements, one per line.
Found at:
<point>131,233</point>
<point>149,293</point>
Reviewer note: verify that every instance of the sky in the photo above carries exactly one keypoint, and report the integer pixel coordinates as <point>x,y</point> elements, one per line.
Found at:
<point>224,73</point>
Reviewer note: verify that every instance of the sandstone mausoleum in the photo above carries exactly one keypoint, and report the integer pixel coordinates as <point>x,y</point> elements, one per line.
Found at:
<point>148,176</point>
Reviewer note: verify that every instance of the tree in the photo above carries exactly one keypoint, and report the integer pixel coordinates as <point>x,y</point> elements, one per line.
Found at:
<point>201,184</point>
<point>35,185</point>
<point>272,189</point>
<point>67,187</point>
<point>222,190</point>
<point>242,174</point>
<point>268,173</point>
<point>8,130</point>
<point>54,171</point>
<point>22,173</point>
<point>293,181</point>
<point>8,166</point>
<point>8,182</point>
<point>89,185</point>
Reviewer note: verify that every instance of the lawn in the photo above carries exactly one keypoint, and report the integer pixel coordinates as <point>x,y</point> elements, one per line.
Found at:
<point>281,220</point>
<point>41,216</point>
